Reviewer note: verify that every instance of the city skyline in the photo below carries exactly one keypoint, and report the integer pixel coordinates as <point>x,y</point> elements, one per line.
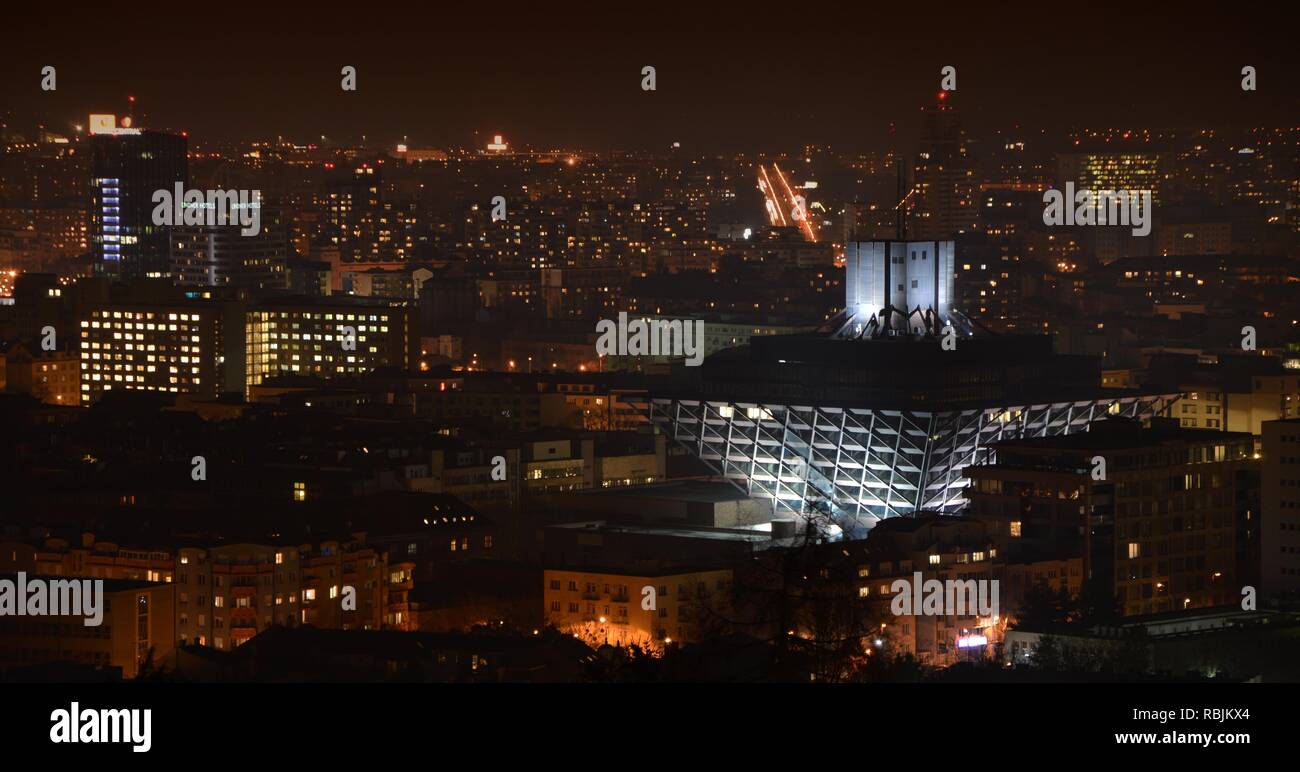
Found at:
<point>648,344</point>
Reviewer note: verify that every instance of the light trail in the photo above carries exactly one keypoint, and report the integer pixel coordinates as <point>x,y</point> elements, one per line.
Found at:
<point>770,192</point>
<point>903,200</point>
<point>804,220</point>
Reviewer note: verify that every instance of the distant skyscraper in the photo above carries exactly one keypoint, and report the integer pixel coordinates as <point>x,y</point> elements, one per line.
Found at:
<point>127,166</point>
<point>353,210</point>
<point>944,178</point>
<point>219,255</point>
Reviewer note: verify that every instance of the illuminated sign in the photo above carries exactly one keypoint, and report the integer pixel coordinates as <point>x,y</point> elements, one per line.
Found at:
<point>106,123</point>
<point>971,641</point>
<point>102,124</point>
<point>498,143</point>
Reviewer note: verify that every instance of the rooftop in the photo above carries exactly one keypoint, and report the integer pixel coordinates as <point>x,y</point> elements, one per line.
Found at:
<point>1123,434</point>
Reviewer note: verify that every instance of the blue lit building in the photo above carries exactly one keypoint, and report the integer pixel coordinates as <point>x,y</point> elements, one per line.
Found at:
<point>127,166</point>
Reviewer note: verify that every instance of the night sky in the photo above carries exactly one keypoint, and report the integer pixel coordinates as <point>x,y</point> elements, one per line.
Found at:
<point>730,77</point>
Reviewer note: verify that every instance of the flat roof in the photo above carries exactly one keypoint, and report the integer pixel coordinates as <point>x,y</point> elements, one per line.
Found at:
<point>1120,439</point>
<point>678,531</point>
<point>679,490</point>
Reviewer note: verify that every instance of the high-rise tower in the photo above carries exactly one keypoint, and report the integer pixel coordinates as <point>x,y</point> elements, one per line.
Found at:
<point>127,166</point>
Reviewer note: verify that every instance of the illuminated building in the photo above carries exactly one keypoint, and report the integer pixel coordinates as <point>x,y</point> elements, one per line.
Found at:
<point>543,351</point>
<point>50,376</point>
<point>406,282</point>
<point>177,348</point>
<point>899,288</point>
<point>582,293</point>
<point>139,622</point>
<point>219,255</point>
<point>309,336</point>
<point>42,239</point>
<point>533,236</point>
<point>418,154</point>
<point>127,166</point>
<point>988,282</point>
<point>1200,238</point>
<point>605,606</point>
<point>1179,278</point>
<point>1114,170</point>
<point>90,557</point>
<point>431,531</point>
<point>945,547</point>
<point>361,221</point>
<point>944,190</point>
<point>514,291</point>
<point>1170,527</point>
<point>649,563</point>
<point>868,420</point>
<point>1237,394</point>
<point>608,229</point>
<point>553,465</point>
<point>227,594</point>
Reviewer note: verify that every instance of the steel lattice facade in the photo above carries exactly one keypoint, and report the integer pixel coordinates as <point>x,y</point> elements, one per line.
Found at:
<point>861,464</point>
